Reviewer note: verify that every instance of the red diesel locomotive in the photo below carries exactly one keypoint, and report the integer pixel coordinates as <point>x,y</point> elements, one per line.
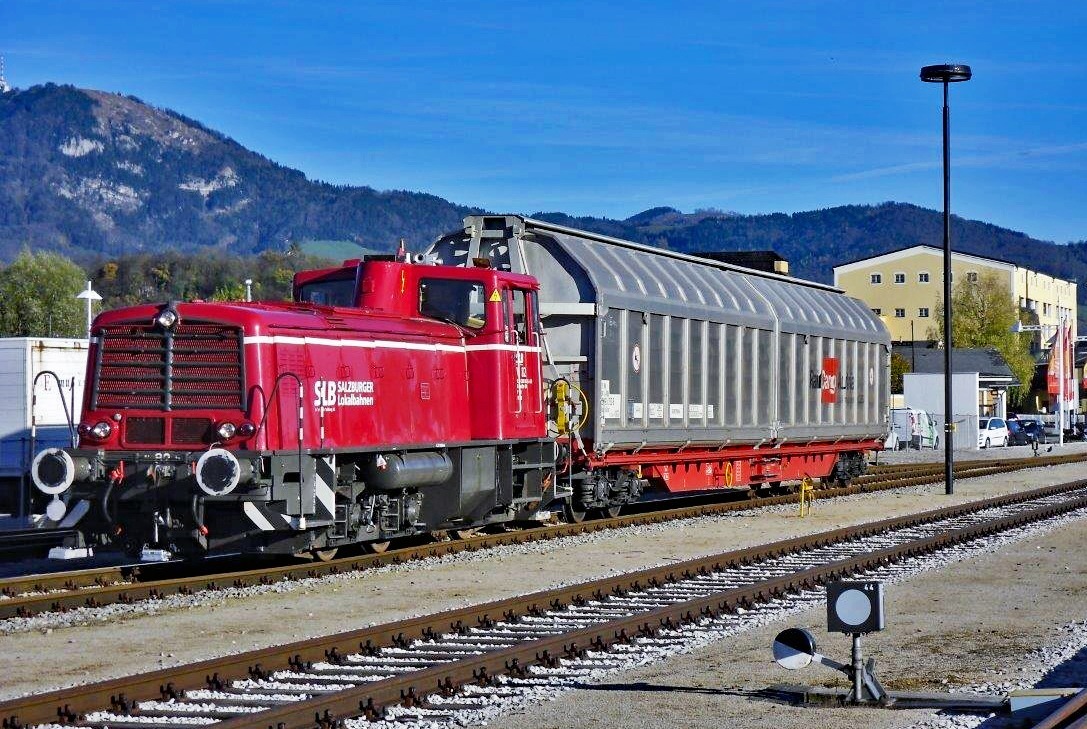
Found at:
<point>395,397</point>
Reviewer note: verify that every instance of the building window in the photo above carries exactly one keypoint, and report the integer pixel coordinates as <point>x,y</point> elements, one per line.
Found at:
<point>922,277</point>
<point>900,313</point>
<point>877,312</point>
<point>900,278</point>
<point>923,312</point>
<point>876,278</point>
<point>972,276</point>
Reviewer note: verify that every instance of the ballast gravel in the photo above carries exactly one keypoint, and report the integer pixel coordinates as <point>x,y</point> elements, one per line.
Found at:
<point>549,685</point>
<point>92,645</point>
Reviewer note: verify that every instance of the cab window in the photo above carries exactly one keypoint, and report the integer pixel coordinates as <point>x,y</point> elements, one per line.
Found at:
<point>518,319</point>
<point>459,302</point>
<point>329,293</point>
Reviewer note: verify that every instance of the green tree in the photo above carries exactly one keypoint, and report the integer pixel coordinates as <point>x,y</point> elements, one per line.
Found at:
<point>38,297</point>
<point>984,316</point>
<point>899,366</point>
<point>233,291</point>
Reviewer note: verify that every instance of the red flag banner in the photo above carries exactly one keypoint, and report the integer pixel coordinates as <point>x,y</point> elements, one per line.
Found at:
<point>1052,373</point>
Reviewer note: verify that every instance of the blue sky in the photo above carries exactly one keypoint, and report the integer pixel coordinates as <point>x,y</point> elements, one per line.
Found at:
<point>609,108</point>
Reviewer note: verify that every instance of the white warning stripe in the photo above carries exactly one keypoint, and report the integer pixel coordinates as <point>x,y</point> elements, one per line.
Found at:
<point>324,475</point>
<point>386,344</point>
<point>257,517</point>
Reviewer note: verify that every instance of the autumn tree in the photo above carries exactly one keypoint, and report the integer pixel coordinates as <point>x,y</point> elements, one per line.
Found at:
<point>984,316</point>
<point>899,367</point>
<point>38,297</point>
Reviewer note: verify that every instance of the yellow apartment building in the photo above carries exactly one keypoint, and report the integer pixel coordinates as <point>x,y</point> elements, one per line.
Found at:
<point>902,287</point>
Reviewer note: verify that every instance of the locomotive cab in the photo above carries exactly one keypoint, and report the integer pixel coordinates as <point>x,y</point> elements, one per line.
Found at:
<point>496,312</point>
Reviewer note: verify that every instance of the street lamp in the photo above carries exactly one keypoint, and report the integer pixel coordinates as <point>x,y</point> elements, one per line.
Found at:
<point>947,74</point>
<point>91,296</point>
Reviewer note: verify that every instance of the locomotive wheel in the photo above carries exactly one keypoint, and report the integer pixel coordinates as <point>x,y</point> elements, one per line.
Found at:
<point>324,555</point>
<point>378,547</point>
<point>573,516</point>
<point>610,512</point>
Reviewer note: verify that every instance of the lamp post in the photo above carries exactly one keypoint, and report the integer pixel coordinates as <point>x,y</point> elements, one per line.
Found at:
<point>91,296</point>
<point>947,74</point>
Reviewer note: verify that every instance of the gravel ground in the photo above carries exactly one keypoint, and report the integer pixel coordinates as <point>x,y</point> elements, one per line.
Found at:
<point>92,645</point>
<point>1015,618</point>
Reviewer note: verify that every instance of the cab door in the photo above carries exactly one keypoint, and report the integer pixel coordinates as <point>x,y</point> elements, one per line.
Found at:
<point>522,358</point>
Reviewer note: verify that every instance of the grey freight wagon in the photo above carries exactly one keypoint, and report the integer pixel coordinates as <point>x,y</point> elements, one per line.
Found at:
<point>673,349</point>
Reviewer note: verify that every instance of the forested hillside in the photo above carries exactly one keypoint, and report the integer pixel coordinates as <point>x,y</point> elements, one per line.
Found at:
<point>816,241</point>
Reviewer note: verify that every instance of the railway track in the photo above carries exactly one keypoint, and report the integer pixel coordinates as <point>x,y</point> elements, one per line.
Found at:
<point>429,668</point>
<point>36,594</point>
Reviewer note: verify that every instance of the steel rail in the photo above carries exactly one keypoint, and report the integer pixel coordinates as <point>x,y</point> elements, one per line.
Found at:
<point>97,588</point>
<point>1071,715</point>
<point>67,705</point>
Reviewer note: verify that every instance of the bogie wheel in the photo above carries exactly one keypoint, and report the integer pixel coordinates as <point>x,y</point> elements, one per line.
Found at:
<point>572,515</point>
<point>324,555</point>
<point>378,547</point>
<point>610,512</point>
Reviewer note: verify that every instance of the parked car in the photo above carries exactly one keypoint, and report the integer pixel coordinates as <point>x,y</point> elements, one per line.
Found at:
<point>992,432</point>
<point>914,428</point>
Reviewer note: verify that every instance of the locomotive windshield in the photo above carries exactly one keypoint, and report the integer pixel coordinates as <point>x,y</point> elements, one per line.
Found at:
<point>460,302</point>
<point>329,292</point>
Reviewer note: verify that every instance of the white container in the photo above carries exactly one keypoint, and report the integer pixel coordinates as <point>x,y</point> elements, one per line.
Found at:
<point>22,404</point>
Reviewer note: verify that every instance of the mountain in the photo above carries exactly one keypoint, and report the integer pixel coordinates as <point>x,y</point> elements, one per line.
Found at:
<point>93,175</point>
<point>87,172</point>
<point>816,241</point>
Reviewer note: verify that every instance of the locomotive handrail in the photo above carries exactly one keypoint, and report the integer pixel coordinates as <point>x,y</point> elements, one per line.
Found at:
<point>264,403</point>
<point>63,402</point>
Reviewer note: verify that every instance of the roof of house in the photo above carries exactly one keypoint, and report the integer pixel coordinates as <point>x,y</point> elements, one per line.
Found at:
<point>927,249</point>
<point>991,368</point>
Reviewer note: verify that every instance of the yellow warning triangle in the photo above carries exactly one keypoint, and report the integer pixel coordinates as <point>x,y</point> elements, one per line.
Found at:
<point>494,296</point>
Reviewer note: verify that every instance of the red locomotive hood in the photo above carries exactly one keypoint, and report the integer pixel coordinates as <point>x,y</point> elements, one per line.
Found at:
<point>257,318</point>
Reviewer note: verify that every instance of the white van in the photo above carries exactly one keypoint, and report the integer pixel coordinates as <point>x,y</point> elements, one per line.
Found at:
<point>914,428</point>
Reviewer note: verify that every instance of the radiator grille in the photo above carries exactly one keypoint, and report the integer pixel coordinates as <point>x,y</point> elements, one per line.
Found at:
<point>198,365</point>
<point>189,431</point>
<point>145,431</point>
